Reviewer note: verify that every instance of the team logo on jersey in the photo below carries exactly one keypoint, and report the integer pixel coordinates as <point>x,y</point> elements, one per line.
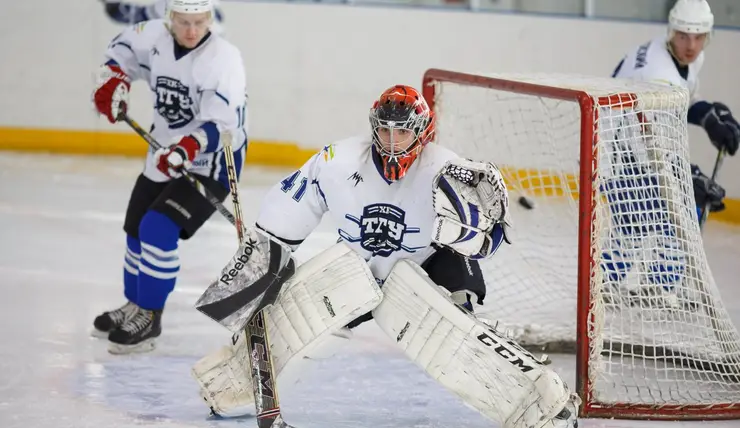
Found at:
<point>382,229</point>
<point>173,102</point>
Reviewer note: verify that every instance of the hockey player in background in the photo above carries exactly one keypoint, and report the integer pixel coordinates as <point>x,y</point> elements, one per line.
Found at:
<point>199,86</point>
<point>415,213</point>
<point>639,212</point>
<point>677,60</point>
<point>131,13</point>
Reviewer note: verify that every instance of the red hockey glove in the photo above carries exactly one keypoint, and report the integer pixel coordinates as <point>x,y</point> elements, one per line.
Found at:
<point>111,95</point>
<point>171,160</point>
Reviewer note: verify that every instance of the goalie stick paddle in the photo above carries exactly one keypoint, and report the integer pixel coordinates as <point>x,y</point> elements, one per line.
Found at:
<point>212,199</point>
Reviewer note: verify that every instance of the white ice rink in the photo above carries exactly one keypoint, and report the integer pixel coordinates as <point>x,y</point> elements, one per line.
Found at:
<point>61,257</point>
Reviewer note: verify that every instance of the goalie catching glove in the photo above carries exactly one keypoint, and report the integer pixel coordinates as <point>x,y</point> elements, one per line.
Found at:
<point>472,206</point>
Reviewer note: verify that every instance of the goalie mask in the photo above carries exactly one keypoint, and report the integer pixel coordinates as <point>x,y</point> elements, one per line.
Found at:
<point>402,125</point>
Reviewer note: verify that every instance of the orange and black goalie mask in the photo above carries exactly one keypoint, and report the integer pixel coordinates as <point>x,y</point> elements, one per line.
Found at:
<point>402,125</point>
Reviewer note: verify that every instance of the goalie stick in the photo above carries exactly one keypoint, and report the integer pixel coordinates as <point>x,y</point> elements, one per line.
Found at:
<point>264,380</point>
<point>212,199</point>
<point>266,400</point>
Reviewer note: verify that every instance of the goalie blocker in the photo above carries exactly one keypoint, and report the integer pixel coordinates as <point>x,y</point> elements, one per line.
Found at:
<point>252,280</point>
<point>324,295</point>
<point>489,372</point>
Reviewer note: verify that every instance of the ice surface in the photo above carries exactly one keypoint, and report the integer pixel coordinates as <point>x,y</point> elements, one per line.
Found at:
<point>61,253</point>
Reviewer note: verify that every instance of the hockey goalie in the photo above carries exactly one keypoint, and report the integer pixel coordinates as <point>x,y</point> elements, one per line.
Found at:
<point>413,220</point>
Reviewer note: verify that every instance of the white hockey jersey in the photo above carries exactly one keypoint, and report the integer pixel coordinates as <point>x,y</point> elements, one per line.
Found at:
<point>383,221</point>
<point>653,62</point>
<point>204,88</point>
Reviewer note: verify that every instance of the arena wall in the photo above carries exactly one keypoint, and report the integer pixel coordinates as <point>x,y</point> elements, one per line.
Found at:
<point>314,70</point>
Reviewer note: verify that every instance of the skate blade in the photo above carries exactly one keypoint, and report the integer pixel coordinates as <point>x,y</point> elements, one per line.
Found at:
<point>100,334</point>
<point>144,346</point>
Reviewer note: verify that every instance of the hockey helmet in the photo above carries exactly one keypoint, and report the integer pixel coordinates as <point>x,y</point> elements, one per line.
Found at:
<point>691,16</point>
<point>189,6</point>
<point>400,107</point>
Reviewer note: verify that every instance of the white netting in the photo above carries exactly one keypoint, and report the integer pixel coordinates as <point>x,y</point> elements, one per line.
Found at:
<point>660,333</point>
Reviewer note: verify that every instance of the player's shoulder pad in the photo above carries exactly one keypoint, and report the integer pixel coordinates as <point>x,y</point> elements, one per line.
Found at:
<point>224,49</point>
<point>652,62</point>
<point>639,55</point>
<point>151,29</point>
<point>220,57</point>
<point>435,156</point>
<point>141,36</point>
<point>346,150</point>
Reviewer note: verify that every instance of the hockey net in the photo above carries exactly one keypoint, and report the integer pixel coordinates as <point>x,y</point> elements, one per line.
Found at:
<point>609,263</point>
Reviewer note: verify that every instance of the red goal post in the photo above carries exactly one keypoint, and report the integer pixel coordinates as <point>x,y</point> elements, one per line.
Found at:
<point>620,277</point>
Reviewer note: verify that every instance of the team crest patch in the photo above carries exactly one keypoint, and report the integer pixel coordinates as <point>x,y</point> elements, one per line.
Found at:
<point>173,102</point>
<point>382,230</point>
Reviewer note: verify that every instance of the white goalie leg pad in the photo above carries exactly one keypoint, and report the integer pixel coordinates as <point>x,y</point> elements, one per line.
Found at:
<point>490,373</point>
<point>224,379</point>
<point>323,296</point>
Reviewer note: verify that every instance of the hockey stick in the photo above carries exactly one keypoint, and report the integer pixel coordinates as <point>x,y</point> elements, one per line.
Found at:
<point>715,172</point>
<point>212,199</point>
<point>260,360</point>
<point>264,385</point>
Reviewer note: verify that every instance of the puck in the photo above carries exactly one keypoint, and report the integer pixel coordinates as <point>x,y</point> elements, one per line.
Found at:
<point>526,202</point>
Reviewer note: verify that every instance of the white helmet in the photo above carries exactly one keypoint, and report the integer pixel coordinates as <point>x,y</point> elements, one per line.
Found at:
<point>691,16</point>
<point>189,6</point>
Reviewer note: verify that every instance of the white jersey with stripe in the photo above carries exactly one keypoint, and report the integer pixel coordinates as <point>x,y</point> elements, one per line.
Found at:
<point>384,221</point>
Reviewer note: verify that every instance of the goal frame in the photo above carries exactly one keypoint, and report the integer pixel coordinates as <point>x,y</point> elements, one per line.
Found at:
<point>590,406</point>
